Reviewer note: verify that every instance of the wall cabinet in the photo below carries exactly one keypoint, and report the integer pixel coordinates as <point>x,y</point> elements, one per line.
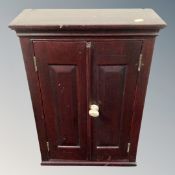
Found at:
<point>87,72</point>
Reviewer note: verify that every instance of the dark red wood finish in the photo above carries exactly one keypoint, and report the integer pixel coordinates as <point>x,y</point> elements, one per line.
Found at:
<point>105,74</point>
<point>114,79</point>
<point>62,77</point>
<point>116,64</point>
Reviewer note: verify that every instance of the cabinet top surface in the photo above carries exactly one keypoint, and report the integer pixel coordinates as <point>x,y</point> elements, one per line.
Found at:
<point>119,18</point>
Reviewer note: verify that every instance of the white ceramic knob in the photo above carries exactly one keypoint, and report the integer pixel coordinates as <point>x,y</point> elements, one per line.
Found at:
<point>94,110</point>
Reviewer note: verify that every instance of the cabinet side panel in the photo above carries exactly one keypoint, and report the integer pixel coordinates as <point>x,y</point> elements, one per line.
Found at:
<point>34,88</point>
<point>147,52</point>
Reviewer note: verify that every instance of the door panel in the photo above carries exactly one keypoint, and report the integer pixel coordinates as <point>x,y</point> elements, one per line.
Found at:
<point>62,76</point>
<point>111,84</point>
<point>64,88</point>
<point>114,77</point>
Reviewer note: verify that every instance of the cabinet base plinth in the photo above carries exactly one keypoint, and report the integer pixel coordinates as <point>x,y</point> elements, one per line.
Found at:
<point>87,163</point>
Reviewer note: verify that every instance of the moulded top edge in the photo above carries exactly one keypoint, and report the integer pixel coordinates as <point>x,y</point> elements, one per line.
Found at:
<point>87,18</point>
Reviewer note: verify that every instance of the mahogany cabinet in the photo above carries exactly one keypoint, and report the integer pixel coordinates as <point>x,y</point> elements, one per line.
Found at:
<point>87,72</point>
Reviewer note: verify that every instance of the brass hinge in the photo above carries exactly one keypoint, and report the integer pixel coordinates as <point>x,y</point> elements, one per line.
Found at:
<point>35,64</point>
<point>128,148</point>
<point>48,146</point>
<point>140,62</point>
<point>88,45</point>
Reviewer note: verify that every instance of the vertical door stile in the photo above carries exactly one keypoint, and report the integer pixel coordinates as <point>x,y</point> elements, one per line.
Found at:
<point>41,97</point>
<point>88,77</point>
<point>139,66</point>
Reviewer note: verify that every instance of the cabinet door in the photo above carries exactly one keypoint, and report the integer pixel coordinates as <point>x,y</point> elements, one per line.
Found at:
<point>62,79</point>
<point>114,79</point>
